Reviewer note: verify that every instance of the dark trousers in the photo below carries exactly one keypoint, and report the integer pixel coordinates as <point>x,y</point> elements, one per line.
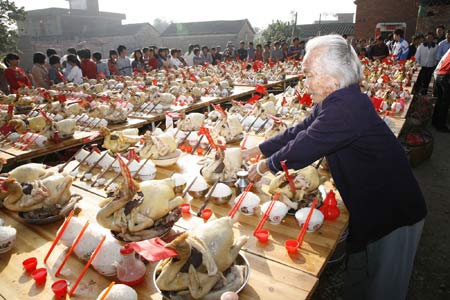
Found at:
<point>441,107</point>
<point>383,270</point>
<point>424,79</point>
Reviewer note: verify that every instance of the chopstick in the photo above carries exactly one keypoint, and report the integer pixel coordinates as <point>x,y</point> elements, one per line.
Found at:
<point>301,236</point>
<point>211,191</point>
<point>59,235</point>
<point>266,213</point>
<point>288,177</point>
<point>108,290</point>
<point>96,251</point>
<point>244,141</point>
<point>75,243</point>
<point>188,187</point>
<point>236,206</point>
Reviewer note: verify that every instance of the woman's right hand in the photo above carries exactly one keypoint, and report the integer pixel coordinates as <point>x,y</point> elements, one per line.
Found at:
<point>252,152</point>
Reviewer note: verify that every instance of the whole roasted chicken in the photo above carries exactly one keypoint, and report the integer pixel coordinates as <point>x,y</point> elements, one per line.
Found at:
<point>146,210</point>
<point>223,165</point>
<point>204,267</point>
<point>158,146</point>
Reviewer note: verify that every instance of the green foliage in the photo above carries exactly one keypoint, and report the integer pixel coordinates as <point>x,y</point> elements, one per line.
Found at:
<point>10,14</point>
<point>277,31</point>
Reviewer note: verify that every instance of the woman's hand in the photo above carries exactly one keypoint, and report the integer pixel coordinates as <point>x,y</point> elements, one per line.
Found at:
<point>248,154</point>
<point>253,175</point>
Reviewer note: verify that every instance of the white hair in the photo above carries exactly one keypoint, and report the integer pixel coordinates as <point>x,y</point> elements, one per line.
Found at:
<point>337,58</point>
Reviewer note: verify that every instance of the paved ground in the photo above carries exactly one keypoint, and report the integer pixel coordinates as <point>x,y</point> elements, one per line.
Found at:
<point>431,277</point>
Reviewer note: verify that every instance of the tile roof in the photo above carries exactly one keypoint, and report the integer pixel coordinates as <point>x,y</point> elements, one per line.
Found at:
<point>203,28</point>
<point>310,30</point>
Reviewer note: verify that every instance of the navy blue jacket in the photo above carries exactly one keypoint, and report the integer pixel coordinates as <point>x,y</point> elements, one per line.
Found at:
<point>368,164</point>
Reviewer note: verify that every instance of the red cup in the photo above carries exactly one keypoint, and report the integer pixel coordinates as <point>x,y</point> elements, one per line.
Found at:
<point>60,288</point>
<point>39,275</point>
<point>291,246</point>
<point>30,264</point>
<point>185,208</point>
<point>262,235</point>
<point>206,214</point>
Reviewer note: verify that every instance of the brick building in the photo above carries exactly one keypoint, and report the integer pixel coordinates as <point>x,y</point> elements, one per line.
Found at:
<point>371,12</point>
<point>210,33</point>
<point>433,13</point>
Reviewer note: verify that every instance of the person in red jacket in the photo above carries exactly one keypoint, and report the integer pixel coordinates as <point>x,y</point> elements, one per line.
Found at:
<point>88,67</point>
<point>15,76</point>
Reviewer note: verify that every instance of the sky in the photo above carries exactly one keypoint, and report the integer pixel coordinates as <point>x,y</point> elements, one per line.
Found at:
<point>257,11</point>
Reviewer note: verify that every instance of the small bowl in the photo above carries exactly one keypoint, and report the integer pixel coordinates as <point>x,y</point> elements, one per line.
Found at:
<point>60,288</point>
<point>9,239</point>
<point>221,200</point>
<point>198,194</point>
<point>291,246</point>
<point>180,188</point>
<point>39,275</point>
<point>262,235</point>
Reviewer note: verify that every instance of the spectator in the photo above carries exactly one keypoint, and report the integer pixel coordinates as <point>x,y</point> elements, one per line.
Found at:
<point>251,51</point>
<point>390,42</point>
<point>440,112</point>
<point>102,68</point>
<point>155,51</point>
<point>49,53</point>
<point>426,58</point>
<point>443,46</point>
<point>440,33</point>
<point>152,61</point>
<point>379,50</point>
<point>297,49</point>
<point>75,75</point>
<point>216,56</point>
<point>205,55</point>
<point>174,61</point>
<point>163,58</point>
<point>181,59</point>
<point>266,53</point>
<point>277,53</point>
<point>401,46</point>
<point>138,63</point>
<point>228,53</point>
<point>189,55</point>
<point>112,63</point>
<point>219,51</point>
<point>197,59</point>
<point>259,53</point>
<point>417,40</point>
<point>39,71</point>
<point>54,74</point>
<point>64,63</point>
<point>285,49</point>
<point>123,62</point>
<point>241,53</point>
<point>88,67</point>
<point>14,75</point>
<point>146,57</point>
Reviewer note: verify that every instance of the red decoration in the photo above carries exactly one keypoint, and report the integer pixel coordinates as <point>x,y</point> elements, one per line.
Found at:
<point>254,99</point>
<point>261,89</point>
<point>329,207</point>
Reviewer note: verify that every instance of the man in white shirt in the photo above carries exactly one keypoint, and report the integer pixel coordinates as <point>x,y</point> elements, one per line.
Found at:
<point>426,58</point>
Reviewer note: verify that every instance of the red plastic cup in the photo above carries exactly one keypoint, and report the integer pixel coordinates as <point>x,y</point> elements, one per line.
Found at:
<point>39,275</point>
<point>185,208</point>
<point>291,246</point>
<point>206,214</point>
<point>262,235</point>
<point>60,288</point>
<point>30,264</point>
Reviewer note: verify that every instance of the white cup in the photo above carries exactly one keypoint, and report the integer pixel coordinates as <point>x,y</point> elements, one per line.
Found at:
<point>278,212</point>
<point>316,218</point>
<point>249,204</point>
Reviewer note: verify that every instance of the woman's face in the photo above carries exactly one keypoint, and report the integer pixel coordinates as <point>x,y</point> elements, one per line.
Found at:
<point>114,57</point>
<point>13,63</point>
<point>137,55</point>
<point>317,83</point>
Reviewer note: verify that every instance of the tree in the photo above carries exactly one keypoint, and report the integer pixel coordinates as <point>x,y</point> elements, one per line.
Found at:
<point>277,31</point>
<point>10,14</point>
<point>161,24</point>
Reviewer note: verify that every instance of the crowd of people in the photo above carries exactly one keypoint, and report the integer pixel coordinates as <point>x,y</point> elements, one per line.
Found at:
<point>77,65</point>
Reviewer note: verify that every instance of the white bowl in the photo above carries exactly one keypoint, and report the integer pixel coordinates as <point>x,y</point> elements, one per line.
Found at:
<point>81,155</point>
<point>278,212</point>
<point>316,219</point>
<point>7,238</point>
<point>250,203</point>
<point>168,160</point>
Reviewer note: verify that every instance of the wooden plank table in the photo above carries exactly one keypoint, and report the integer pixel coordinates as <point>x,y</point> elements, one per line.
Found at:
<point>268,279</point>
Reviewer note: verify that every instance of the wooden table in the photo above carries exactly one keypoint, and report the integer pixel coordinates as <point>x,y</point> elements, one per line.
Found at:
<point>268,279</point>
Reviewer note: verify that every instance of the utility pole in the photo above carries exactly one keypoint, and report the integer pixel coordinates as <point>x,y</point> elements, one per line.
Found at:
<point>294,25</point>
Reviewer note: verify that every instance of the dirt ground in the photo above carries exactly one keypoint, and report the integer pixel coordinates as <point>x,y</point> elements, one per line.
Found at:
<point>431,276</point>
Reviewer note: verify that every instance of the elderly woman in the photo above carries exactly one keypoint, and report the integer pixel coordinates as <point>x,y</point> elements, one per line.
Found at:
<point>369,167</point>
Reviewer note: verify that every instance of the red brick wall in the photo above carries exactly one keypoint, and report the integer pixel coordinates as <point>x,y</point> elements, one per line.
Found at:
<point>371,12</point>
